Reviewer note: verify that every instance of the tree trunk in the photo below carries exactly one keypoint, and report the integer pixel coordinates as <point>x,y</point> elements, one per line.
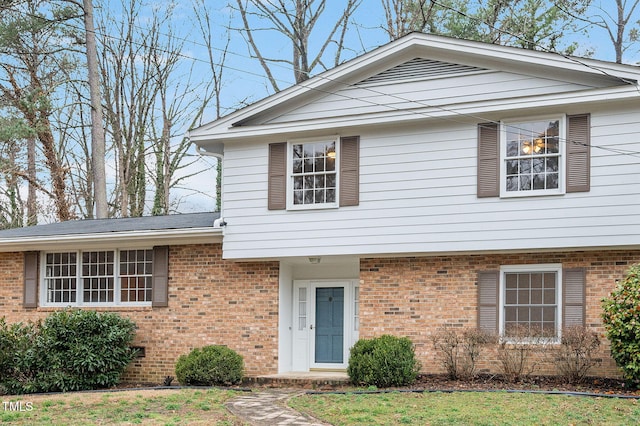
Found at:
<point>97,131</point>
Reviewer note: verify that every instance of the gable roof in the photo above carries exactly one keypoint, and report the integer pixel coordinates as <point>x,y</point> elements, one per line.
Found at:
<point>416,56</point>
<point>154,230</point>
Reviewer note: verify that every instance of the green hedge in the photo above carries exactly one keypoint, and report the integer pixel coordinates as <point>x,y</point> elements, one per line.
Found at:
<point>209,366</point>
<point>383,361</point>
<point>621,318</point>
<point>69,350</point>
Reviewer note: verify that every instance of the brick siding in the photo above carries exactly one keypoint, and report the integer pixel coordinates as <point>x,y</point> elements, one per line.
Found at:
<point>211,301</point>
<point>415,296</point>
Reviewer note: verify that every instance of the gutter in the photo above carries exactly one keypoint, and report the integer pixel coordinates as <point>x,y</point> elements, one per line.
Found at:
<point>111,239</point>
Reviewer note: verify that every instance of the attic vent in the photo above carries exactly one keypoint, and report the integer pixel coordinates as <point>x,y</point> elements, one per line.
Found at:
<point>419,68</point>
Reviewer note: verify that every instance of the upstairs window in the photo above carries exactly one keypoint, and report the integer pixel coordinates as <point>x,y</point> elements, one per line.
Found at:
<point>313,174</point>
<point>532,157</point>
<point>96,278</point>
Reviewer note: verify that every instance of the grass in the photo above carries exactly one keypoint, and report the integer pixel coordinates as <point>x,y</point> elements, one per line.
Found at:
<point>157,407</point>
<point>467,408</point>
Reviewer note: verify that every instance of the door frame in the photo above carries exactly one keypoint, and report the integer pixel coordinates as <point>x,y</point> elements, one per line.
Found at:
<point>303,344</point>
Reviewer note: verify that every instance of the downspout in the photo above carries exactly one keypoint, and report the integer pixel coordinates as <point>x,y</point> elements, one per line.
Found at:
<point>219,155</point>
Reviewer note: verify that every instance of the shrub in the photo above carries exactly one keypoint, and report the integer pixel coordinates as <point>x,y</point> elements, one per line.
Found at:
<point>209,366</point>
<point>621,317</point>
<point>18,360</point>
<point>576,354</point>
<point>458,352</point>
<point>69,350</point>
<point>518,353</point>
<point>383,361</point>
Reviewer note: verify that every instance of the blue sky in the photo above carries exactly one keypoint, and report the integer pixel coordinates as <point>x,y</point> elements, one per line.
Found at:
<point>245,81</point>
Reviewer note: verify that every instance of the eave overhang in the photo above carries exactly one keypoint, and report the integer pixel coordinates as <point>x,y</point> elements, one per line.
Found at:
<point>127,239</point>
<point>465,111</point>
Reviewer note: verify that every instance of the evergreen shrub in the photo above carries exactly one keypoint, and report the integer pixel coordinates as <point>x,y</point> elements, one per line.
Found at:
<point>383,362</point>
<point>210,366</point>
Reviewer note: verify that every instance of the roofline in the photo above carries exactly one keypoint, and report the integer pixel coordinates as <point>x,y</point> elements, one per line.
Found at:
<point>406,45</point>
<point>113,239</point>
<point>464,110</point>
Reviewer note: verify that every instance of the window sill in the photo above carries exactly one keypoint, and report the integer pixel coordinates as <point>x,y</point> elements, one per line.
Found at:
<point>119,308</point>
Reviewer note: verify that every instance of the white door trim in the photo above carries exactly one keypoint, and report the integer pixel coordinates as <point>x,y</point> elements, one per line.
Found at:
<point>303,342</point>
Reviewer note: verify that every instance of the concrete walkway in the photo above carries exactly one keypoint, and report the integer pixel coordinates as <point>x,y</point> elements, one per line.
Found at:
<point>269,407</point>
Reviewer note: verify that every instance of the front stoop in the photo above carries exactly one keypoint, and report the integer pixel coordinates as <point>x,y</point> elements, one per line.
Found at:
<point>312,380</point>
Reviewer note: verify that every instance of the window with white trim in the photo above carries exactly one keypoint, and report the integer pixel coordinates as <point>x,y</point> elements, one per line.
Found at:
<point>313,174</point>
<point>532,157</point>
<point>530,300</point>
<point>97,277</point>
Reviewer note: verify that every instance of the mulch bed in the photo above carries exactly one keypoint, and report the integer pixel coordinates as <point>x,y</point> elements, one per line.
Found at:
<point>594,385</point>
<point>484,382</point>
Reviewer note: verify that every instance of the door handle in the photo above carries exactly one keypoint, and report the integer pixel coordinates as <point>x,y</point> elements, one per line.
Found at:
<point>311,327</point>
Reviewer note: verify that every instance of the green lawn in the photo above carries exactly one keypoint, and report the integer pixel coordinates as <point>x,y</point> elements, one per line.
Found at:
<point>151,407</point>
<point>468,408</point>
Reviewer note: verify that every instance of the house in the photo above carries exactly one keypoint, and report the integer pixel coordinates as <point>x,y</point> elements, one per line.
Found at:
<point>430,182</point>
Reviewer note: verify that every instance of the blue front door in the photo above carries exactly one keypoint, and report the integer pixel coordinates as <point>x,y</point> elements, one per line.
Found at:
<point>329,325</point>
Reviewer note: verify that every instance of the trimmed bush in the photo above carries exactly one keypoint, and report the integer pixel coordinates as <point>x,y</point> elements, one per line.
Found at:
<point>69,350</point>
<point>383,361</point>
<point>621,317</point>
<point>210,366</point>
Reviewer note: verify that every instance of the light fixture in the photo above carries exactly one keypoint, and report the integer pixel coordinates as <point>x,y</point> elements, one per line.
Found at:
<point>314,260</point>
<point>538,145</point>
<point>331,154</point>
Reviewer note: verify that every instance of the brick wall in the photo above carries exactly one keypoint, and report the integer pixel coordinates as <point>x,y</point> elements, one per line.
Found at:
<point>211,301</point>
<point>414,296</point>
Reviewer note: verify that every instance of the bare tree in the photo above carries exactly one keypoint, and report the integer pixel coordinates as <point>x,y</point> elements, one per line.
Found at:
<point>616,22</point>
<point>216,68</point>
<point>97,131</point>
<point>129,92</point>
<point>295,20</point>
<point>403,17</point>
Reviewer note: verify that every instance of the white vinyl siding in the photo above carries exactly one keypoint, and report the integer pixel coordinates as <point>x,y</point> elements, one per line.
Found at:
<point>480,86</point>
<point>418,195</point>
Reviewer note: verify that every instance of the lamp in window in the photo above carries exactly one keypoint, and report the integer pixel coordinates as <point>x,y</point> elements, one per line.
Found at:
<point>332,153</point>
<point>536,146</point>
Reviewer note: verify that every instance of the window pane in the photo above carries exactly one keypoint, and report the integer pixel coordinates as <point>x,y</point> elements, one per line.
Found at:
<point>297,166</point>
<point>512,148</point>
<point>308,197</point>
<point>525,183</point>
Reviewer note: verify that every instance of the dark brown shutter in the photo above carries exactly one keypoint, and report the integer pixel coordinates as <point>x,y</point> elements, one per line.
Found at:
<point>573,297</point>
<point>488,160</point>
<point>31,268</point>
<point>578,153</point>
<point>160,279</point>
<point>350,171</point>
<point>488,287</point>
<point>277,185</point>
